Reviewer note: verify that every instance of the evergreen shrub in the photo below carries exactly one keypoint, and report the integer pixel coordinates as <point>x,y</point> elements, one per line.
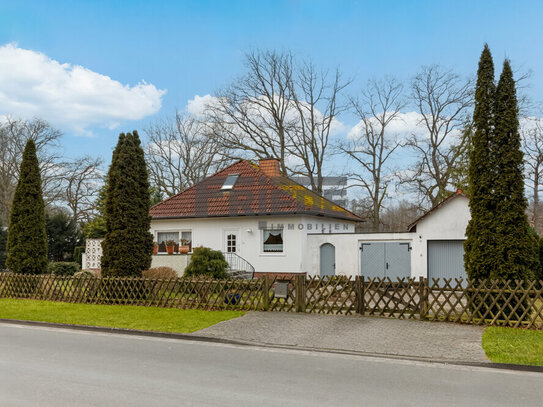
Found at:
<point>207,262</point>
<point>63,268</point>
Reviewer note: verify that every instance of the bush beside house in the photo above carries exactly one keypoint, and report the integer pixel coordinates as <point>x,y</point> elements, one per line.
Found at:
<point>207,262</point>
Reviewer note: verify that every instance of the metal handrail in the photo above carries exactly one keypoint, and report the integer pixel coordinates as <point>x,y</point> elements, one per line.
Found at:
<point>238,264</point>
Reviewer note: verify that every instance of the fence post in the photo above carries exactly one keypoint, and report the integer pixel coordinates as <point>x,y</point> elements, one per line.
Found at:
<point>266,293</point>
<point>423,297</point>
<point>359,281</point>
<point>300,293</point>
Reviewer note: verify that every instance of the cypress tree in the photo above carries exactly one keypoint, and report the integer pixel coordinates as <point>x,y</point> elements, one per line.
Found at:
<point>27,239</point>
<point>480,248</point>
<point>128,243</point>
<point>514,243</point>
<point>3,246</point>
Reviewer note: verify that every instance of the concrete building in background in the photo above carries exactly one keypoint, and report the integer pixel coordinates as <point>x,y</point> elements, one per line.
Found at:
<point>333,188</point>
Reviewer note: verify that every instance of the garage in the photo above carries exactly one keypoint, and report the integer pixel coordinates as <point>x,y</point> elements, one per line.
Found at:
<point>446,259</point>
<point>431,247</point>
<point>385,259</point>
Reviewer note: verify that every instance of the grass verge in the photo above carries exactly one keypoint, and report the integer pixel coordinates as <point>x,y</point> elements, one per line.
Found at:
<point>116,316</point>
<point>513,345</point>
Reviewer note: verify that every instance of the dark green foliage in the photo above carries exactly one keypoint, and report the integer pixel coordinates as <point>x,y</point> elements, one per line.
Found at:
<point>78,254</point>
<point>539,274</point>
<point>514,245</point>
<point>63,236</point>
<point>3,246</point>
<point>480,248</point>
<point>128,243</point>
<point>27,239</point>
<point>63,268</point>
<point>156,196</point>
<point>207,262</point>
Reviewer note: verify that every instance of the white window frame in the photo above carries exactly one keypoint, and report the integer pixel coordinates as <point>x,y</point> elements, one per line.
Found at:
<point>262,252</point>
<point>179,236</point>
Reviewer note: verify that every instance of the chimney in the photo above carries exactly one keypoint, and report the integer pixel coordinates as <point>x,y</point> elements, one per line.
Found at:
<point>270,167</point>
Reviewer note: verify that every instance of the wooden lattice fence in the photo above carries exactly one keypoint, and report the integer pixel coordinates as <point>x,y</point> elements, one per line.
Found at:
<point>505,303</point>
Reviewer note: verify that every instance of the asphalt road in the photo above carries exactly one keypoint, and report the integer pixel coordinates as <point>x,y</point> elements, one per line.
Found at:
<point>51,367</point>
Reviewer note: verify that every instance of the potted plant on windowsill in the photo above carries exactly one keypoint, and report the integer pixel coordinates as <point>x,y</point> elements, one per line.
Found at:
<point>170,246</point>
<point>155,247</point>
<point>184,246</point>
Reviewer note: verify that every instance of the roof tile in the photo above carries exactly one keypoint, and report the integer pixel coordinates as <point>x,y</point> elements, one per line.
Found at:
<point>254,194</point>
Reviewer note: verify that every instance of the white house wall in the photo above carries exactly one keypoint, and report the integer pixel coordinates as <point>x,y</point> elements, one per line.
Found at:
<point>210,232</point>
<point>448,222</point>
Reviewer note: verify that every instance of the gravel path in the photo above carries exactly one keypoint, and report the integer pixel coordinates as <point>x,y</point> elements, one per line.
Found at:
<point>433,340</point>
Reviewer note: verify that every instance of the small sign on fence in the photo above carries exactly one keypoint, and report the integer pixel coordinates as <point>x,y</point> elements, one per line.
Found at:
<point>281,289</point>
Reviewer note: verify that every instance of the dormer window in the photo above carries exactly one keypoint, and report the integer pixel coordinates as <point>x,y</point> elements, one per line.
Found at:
<point>230,182</point>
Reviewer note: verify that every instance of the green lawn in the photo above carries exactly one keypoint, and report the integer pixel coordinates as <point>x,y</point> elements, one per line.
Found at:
<point>513,345</point>
<point>117,316</point>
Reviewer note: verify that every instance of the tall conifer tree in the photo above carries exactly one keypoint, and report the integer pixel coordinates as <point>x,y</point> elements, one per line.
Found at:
<point>3,246</point>
<point>480,248</point>
<point>128,243</point>
<point>513,240</point>
<point>27,239</point>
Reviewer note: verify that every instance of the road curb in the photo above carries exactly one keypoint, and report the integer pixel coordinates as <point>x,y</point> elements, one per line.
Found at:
<point>209,339</point>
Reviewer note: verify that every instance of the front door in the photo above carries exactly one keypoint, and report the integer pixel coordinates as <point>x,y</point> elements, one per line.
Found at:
<point>231,241</point>
<point>328,259</point>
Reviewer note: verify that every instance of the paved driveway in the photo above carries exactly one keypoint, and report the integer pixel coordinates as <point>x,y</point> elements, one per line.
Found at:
<point>432,340</point>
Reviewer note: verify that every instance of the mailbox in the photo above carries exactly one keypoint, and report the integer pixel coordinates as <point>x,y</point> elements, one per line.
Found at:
<point>281,289</point>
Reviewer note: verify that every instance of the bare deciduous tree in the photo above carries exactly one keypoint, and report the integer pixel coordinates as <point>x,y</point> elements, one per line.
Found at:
<point>14,134</point>
<point>317,102</point>
<point>370,149</point>
<point>252,115</point>
<point>279,109</point>
<point>532,140</point>
<point>180,153</point>
<point>81,180</point>
<point>443,100</point>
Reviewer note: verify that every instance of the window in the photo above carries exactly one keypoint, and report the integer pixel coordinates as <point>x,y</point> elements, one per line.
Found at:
<point>230,181</point>
<point>186,239</point>
<point>231,243</point>
<point>273,241</point>
<point>163,237</point>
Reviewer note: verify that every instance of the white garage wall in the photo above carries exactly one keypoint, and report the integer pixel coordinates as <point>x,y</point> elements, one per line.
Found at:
<point>348,249</point>
<point>448,222</point>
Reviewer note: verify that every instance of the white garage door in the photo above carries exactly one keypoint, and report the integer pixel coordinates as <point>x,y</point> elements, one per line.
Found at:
<point>446,259</point>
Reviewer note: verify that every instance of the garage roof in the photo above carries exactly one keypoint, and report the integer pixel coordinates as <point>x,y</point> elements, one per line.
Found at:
<point>413,226</point>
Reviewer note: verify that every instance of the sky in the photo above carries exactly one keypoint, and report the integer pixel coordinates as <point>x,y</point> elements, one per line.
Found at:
<point>97,68</point>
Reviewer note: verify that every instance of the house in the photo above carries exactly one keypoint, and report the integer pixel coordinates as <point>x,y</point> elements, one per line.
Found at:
<point>432,247</point>
<point>260,219</point>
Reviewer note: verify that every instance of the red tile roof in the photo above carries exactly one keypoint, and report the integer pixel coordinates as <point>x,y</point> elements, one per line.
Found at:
<point>254,194</point>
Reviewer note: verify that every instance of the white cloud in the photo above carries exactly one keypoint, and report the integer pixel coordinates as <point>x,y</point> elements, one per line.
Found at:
<point>32,84</point>
<point>403,126</point>
<point>197,106</point>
